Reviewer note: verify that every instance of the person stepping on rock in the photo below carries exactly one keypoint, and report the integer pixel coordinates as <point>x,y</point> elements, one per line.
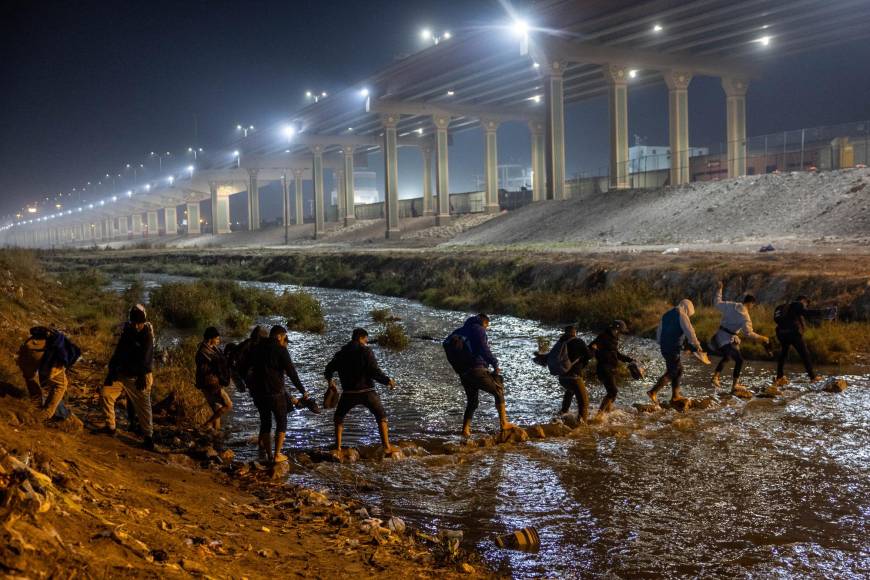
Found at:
<point>675,327</point>
<point>726,341</point>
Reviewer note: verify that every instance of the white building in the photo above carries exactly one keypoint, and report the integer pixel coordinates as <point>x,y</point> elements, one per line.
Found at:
<point>643,158</point>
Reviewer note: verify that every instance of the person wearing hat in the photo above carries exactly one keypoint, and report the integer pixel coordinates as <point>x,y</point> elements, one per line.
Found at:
<point>735,320</point>
<point>605,348</point>
<point>130,373</point>
<point>213,376</point>
<point>270,364</point>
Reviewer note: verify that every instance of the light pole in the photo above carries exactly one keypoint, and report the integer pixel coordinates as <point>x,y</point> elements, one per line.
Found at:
<point>237,154</point>
<point>194,151</point>
<point>160,159</point>
<point>316,96</point>
<point>427,35</point>
<point>244,129</point>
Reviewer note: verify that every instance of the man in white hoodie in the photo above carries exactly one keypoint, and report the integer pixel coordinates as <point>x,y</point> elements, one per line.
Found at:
<point>675,326</point>
<point>735,320</point>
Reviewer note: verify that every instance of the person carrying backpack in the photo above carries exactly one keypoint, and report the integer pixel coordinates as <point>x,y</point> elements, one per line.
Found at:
<point>467,350</point>
<point>790,322</point>
<point>566,360</point>
<point>607,357</point>
<point>735,320</point>
<point>44,358</point>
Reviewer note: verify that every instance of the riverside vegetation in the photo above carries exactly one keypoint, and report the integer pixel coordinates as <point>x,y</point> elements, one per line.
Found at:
<point>558,290</point>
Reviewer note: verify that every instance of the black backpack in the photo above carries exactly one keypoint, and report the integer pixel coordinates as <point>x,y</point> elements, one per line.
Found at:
<point>780,314</point>
<point>459,354</point>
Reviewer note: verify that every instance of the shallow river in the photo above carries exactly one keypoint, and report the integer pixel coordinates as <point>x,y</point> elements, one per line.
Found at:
<point>766,488</point>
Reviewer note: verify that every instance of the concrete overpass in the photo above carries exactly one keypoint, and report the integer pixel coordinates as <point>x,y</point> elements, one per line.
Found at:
<point>573,50</point>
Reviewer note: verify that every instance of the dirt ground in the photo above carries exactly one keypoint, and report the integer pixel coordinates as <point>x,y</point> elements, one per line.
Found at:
<point>114,510</point>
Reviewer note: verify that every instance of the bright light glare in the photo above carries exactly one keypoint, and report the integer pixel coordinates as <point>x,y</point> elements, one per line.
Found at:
<point>171,180</point>
<point>190,168</point>
<point>447,35</point>
<point>239,127</point>
<point>520,28</point>
<point>764,40</point>
<point>536,98</point>
<point>364,92</point>
<point>147,187</point>
<point>537,65</point>
<point>323,94</point>
<point>308,94</point>
<point>632,73</point>
<point>288,131</point>
<point>657,28</point>
<point>450,93</point>
<point>425,34</point>
<point>420,130</point>
<point>236,153</point>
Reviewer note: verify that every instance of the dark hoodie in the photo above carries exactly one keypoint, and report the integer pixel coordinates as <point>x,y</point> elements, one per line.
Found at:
<point>134,354</point>
<point>475,333</point>
<point>357,368</point>
<point>795,317</point>
<point>606,347</point>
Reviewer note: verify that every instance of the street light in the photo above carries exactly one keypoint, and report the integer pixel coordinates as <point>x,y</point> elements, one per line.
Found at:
<point>244,129</point>
<point>194,150</point>
<point>288,131</point>
<point>190,169</point>
<point>160,159</point>
<point>426,34</point>
<point>238,157</point>
<point>316,97</point>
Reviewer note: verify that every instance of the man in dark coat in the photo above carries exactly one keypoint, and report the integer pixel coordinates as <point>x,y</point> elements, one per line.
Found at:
<point>213,377</point>
<point>358,371</point>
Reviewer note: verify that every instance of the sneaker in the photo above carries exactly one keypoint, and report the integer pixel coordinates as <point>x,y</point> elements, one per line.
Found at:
<point>780,382</point>
<point>714,380</point>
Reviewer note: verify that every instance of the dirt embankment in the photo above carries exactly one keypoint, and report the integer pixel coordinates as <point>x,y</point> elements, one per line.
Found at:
<point>73,503</point>
<point>785,210</point>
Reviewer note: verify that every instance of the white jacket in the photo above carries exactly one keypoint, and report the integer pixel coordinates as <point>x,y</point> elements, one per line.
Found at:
<point>735,320</point>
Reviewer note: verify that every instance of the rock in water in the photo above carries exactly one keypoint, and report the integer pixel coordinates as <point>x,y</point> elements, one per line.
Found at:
<point>770,392</point>
<point>835,386</point>
<point>681,405</point>
<point>279,470</point>
<point>396,525</point>
<point>515,435</point>
<point>741,393</point>
<point>537,432</point>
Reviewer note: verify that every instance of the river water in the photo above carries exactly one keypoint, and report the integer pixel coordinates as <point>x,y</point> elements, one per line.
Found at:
<point>771,487</point>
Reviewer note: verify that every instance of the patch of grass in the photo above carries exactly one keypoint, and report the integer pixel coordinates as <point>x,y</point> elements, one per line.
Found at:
<point>393,337</point>
<point>175,375</point>
<point>303,312</point>
<point>232,307</point>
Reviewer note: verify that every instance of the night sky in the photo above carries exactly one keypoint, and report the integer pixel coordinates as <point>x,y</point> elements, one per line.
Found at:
<point>91,86</point>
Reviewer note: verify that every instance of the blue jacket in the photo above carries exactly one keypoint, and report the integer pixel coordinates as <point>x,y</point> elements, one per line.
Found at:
<point>475,333</point>
<point>675,326</point>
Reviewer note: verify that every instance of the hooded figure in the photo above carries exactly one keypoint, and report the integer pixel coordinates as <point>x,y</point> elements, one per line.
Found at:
<point>676,326</point>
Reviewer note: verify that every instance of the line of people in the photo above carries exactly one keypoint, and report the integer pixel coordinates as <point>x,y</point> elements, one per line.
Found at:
<point>261,364</point>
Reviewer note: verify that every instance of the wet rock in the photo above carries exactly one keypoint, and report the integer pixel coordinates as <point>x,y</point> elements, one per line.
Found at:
<point>835,386</point>
<point>279,470</point>
<point>557,429</point>
<point>742,393</point>
<point>683,424</point>
<point>680,405</point>
<point>516,435</point>
<point>646,407</point>
<point>467,568</point>
<point>770,392</point>
<point>704,403</point>
<point>227,455</point>
<point>137,547</point>
<point>349,455</point>
<point>396,525</point>
<point>396,455</point>
<point>160,555</point>
<point>304,459</point>
<point>312,497</point>
<point>536,432</point>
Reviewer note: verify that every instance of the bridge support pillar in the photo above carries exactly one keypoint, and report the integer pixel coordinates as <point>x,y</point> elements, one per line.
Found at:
<point>170,221</point>
<point>109,229</point>
<point>678,124</point>
<point>220,210</point>
<point>285,206</point>
<point>338,179</point>
<point>391,175</point>
<point>735,95</point>
<point>122,227</point>
<point>426,153</point>
<point>152,227</point>
<point>253,200</point>
<point>618,97</point>
<point>349,192</point>
<point>539,166</point>
<point>554,92</point>
<point>317,176</point>
<point>442,181</point>
<point>136,221</point>
<point>194,225</point>
<point>490,163</point>
<point>299,209</point>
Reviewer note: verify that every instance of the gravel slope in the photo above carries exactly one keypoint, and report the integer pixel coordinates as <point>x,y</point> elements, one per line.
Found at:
<point>769,208</point>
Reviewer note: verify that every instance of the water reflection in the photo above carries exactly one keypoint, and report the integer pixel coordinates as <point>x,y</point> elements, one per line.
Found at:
<point>766,488</point>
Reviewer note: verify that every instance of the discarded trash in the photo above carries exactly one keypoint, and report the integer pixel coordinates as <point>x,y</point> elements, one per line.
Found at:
<point>671,251</point>
<point>767,248</point>
<point>835,386</point>
<point>525,539</point>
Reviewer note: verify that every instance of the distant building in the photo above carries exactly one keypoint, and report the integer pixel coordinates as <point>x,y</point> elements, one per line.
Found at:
<point>365,188</point>
<point>643,158</point>
<point>511,177</point>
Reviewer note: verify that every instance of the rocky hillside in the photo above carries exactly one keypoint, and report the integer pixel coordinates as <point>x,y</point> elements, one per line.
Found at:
<point>777,209</point>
